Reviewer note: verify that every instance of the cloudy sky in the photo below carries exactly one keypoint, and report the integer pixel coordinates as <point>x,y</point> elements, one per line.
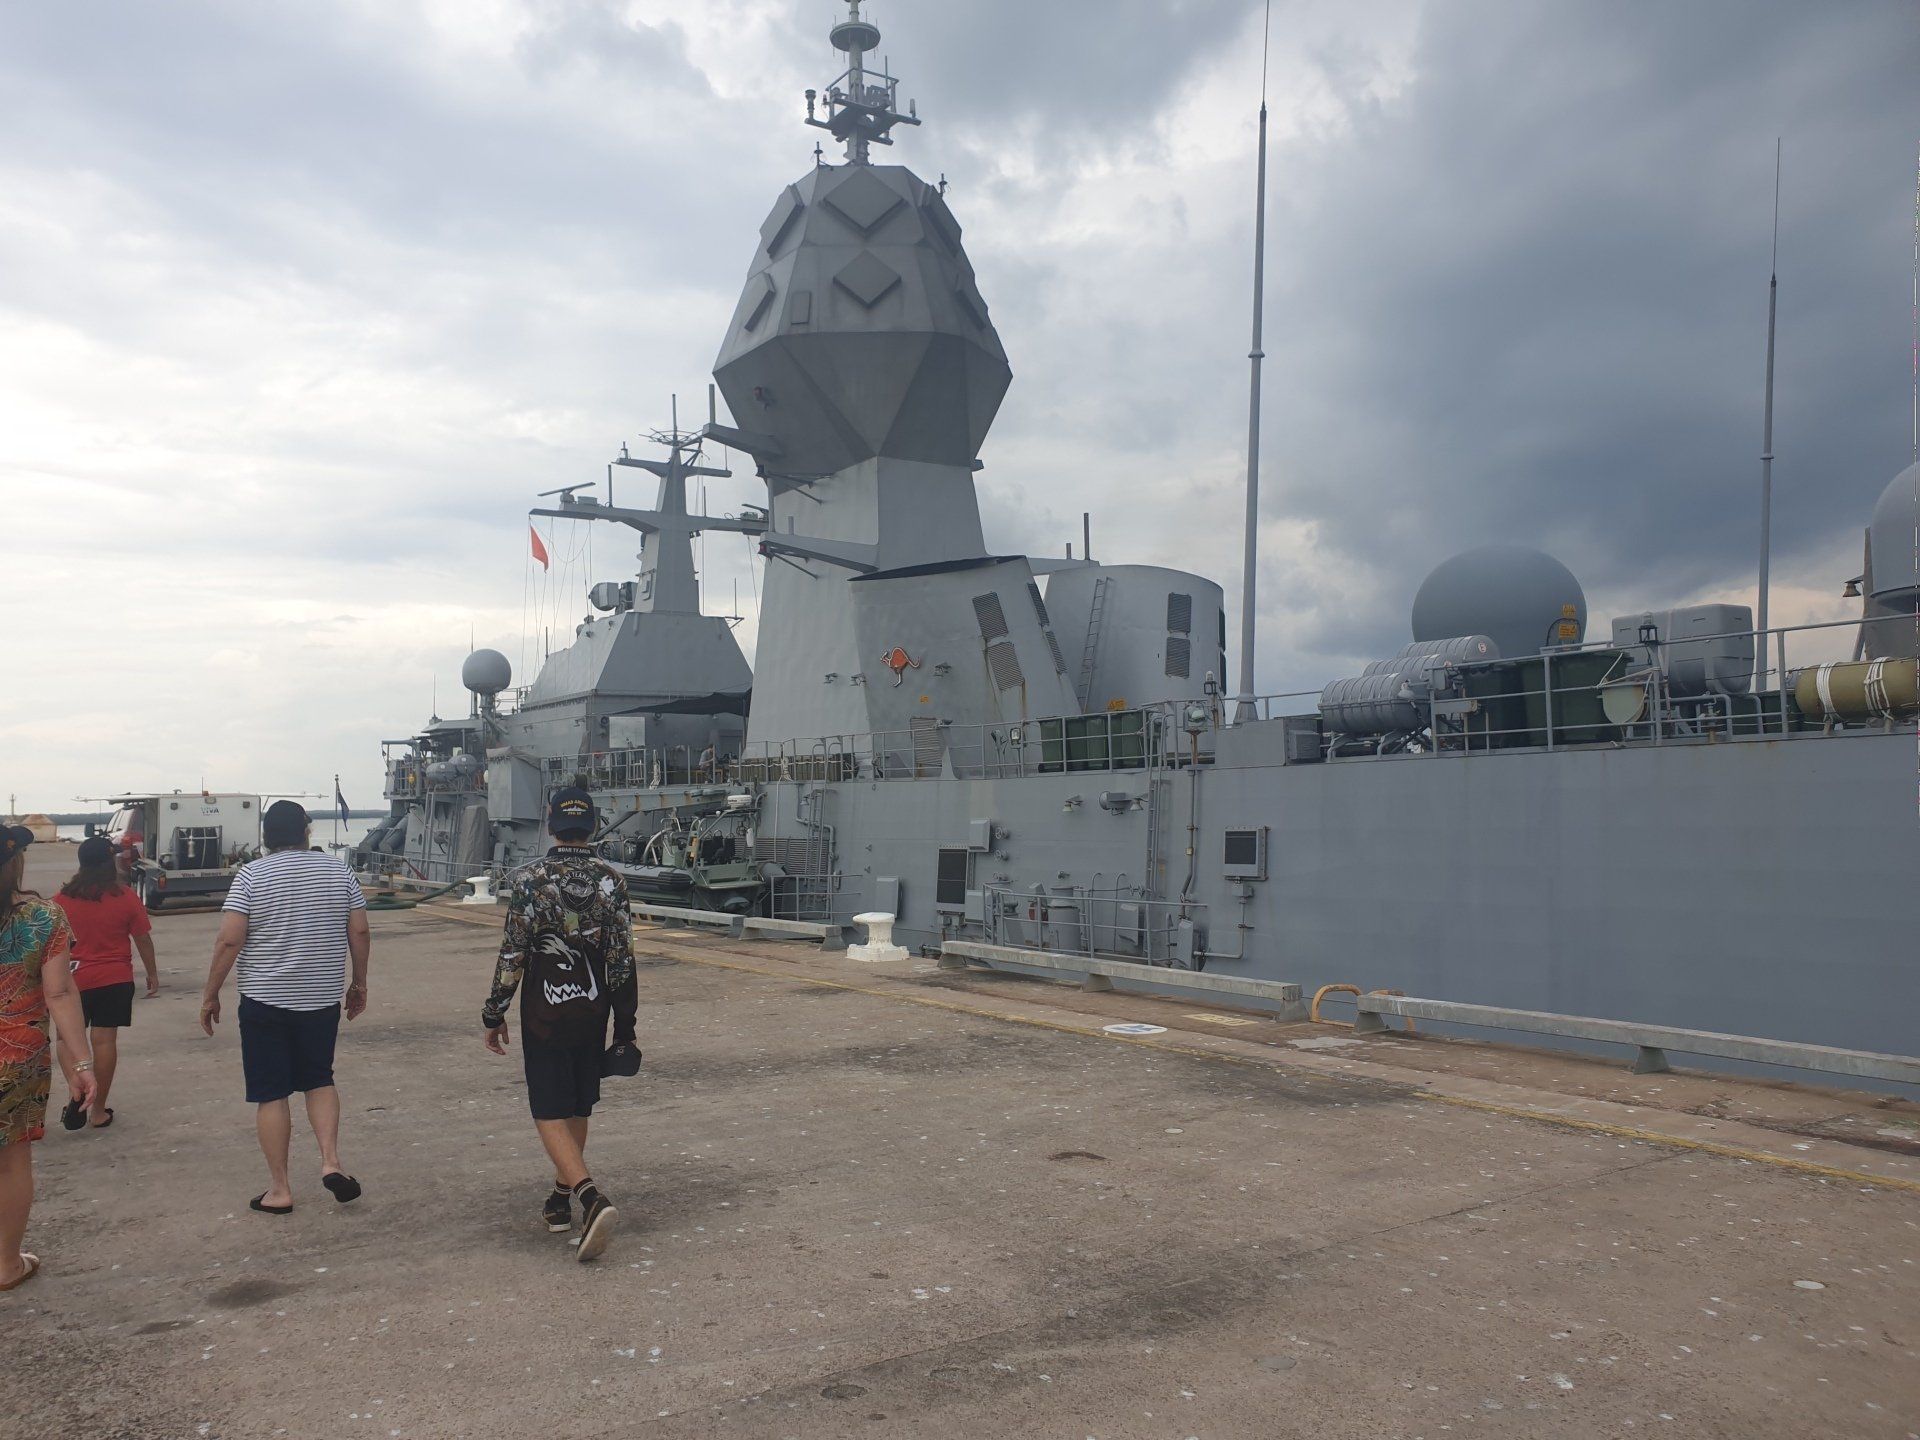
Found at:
<point>301,303</point>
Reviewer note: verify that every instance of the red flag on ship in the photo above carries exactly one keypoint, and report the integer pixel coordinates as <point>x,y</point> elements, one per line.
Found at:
<point>539,550</point>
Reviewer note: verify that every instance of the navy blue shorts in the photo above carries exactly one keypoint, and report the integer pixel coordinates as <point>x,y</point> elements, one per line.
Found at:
<point>286,1050</point>
<point>563,1081</point>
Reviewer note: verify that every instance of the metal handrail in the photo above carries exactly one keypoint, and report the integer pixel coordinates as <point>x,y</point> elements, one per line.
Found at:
<point>1148,935</point>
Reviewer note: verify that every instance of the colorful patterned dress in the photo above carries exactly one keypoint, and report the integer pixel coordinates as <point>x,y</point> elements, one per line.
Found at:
<point>32,938</point>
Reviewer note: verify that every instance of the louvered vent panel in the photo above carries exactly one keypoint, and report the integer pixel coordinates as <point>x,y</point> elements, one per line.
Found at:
<point>1179,656</point>
<point>1180,616</point>
<point>796,854</point>
<point>1059,660</point>
<point>1039,604</point>
<point>1004,664</point>
<point>929,743</point>
<point>993,620</point>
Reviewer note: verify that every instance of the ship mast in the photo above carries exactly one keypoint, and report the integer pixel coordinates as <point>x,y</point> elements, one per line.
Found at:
<point>667,580</point>
<point>863,105</point>
<point>1766,454</point>
<point>1243,708</point>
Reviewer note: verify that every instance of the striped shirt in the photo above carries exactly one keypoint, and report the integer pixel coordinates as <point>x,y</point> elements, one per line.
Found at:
<point>296,903</point>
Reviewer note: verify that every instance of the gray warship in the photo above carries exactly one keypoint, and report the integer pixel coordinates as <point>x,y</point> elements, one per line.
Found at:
<point>1685,820</point>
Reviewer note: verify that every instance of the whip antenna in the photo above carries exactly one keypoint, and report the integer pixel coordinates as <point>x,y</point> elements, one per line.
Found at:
<point>1243,709</point>
<point>1766,453</point>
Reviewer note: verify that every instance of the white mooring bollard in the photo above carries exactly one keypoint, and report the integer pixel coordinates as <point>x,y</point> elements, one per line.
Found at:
<point>482,891</point>
<point>879,944</point>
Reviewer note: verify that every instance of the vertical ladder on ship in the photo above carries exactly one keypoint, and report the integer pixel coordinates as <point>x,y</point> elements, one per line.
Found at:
<point>1096,609</point>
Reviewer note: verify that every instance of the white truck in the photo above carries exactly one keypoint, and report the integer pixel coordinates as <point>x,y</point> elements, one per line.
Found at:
<point>182,845</point>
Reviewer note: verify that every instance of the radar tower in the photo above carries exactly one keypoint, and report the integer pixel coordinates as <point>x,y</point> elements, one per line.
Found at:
<point>862,105</point>
<point>666,580</point>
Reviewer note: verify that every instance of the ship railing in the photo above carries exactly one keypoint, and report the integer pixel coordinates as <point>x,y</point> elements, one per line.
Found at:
<point>828,897</point>
<point>1601,691</point>
<point>1139,738</point>
<point>1114,922</point>
<point>1621,693</point>
<point>1283,704</point>
<point>635,768</point>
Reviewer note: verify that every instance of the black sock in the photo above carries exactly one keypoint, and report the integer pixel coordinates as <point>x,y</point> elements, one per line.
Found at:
<point>586,1193</point>
<point>561,1192</point>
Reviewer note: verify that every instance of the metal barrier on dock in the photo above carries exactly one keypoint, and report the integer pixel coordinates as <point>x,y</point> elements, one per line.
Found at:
<point>1650,1042</point>
<point>1100,974</point>
<point>743,927</point>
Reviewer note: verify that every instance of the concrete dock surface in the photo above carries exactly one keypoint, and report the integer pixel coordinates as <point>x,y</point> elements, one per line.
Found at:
<point>886,1200</point>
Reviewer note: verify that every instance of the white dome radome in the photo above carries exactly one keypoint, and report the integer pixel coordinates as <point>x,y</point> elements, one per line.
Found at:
<point>486,672</point>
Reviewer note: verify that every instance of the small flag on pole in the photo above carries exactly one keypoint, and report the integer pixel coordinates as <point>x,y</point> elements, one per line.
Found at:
<point>539,550</point>
<point>339,800</point>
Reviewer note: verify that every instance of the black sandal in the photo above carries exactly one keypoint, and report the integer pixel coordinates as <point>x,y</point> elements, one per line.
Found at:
<point>73,1116</point>
<point>259,1203</point>
<point>106,1122</point>
<point>343,1186</point>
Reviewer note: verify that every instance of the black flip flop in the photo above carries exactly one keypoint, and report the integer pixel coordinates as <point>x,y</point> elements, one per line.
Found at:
<point>106,1122</point>
<point>259,1203</point>
<point>344,1187</point>
<point>73,1116</point>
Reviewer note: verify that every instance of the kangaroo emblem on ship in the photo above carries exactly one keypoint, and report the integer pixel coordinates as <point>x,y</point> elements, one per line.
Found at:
<point>898,661</point>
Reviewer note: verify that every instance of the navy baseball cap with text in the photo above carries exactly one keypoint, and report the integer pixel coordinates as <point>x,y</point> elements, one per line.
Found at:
<point>570,812</point>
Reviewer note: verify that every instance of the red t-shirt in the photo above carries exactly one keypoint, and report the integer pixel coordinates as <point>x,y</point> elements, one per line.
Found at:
<point>103,932</point>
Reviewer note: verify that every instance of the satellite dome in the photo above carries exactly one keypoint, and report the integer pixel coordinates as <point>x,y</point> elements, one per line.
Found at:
<point>486,672</point>
<point>1514,596</point>
<point>1891,536</point>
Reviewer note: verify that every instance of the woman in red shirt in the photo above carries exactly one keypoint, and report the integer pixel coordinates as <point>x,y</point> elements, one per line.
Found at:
<point>108,921</point>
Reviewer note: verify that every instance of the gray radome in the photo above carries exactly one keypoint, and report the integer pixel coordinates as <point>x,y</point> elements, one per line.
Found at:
<point>1895,520</point>
<point>486,672</point>
<point>1513,595</point>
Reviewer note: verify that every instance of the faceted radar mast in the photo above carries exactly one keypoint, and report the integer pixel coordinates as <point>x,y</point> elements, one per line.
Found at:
<point>862,373</point>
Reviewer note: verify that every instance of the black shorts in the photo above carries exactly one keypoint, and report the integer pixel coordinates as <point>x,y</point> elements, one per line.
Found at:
<point>108,1007</point>
<point>286,1050</point>
<point>563,1081</point>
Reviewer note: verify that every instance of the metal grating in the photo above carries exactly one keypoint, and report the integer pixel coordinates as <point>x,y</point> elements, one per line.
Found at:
<point>1059,660</point>
<point>992,619</point>
<point>1180,615</point>
<point>1004,664</point>
<point>1179,656</point>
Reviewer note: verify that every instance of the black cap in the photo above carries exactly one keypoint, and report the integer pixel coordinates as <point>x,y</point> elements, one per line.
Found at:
<point>570,813</point>
<point>13,839</point>
<point>96,851</point>
<point>285,823</point>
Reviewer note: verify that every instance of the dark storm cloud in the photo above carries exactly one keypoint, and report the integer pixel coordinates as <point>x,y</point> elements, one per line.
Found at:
<point>234,116</point>
<point>1527,301</point>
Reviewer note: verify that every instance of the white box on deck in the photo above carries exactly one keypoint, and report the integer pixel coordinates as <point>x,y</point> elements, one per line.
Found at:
<point>1701,649</point>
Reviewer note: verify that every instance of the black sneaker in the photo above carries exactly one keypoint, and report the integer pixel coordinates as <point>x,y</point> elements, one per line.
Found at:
<point>558,1212</point>
<point>597,1219</point>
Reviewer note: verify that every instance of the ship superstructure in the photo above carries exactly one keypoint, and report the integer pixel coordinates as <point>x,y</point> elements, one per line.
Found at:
<point>1683,820</point>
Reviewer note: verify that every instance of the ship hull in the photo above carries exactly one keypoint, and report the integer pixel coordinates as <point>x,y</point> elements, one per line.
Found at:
<point>1756,887</point>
